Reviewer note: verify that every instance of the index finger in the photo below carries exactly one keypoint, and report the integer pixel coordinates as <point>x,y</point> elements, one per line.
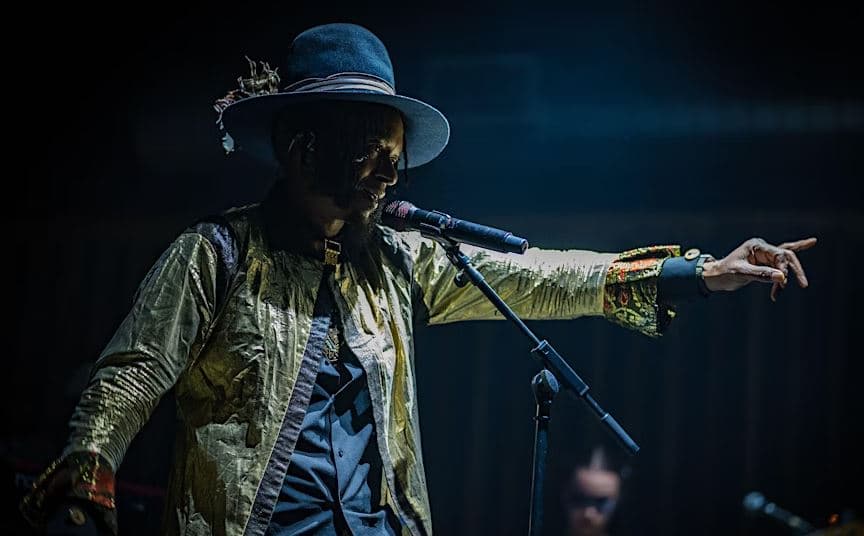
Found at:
<point>798,269</point>
<point>799,245</point>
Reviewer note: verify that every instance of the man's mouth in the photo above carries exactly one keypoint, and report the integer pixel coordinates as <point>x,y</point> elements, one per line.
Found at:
<point>375,197</point>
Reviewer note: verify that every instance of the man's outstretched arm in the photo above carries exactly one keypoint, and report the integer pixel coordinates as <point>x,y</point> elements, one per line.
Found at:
<point>625,287</point>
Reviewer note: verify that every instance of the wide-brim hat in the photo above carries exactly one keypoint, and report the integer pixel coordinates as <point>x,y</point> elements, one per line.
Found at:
<point>338,62</point>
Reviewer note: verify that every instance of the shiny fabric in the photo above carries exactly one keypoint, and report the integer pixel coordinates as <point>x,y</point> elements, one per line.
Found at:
<point>235,369</point>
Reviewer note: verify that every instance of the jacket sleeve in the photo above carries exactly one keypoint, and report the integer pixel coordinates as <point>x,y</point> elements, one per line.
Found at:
<point>169,322</point>
<point>545,284</point>
<point>630,291</point>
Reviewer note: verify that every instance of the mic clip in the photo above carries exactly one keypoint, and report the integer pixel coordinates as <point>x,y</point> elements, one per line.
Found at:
<point>450,246</point>
<point>430,231</point>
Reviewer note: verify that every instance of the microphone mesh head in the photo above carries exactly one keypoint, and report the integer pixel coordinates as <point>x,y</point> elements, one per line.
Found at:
<point>395,215</point>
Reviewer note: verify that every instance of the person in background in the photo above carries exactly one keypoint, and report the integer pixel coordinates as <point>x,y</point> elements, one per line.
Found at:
<point>591,495</point>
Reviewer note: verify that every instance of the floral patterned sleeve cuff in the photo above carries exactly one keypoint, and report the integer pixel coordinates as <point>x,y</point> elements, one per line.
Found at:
<point>84,476</point>
<point>630,292</point>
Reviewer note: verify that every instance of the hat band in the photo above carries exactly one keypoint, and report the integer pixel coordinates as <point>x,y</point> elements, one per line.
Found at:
<point>342,82</point>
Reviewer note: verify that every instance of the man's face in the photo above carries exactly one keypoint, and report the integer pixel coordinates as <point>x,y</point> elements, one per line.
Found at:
<point>358,188</point>
<point>591,501</point>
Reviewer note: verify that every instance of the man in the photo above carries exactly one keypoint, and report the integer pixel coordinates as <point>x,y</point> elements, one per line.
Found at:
<point>591,495</point>
<point>286,327</point>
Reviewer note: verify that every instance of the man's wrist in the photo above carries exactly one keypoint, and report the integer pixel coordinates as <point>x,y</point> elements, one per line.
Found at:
<point>710,271</point>
<point>701,262</point>
<point>681,277</point>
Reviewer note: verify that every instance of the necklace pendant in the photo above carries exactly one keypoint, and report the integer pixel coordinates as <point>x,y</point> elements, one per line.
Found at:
<point>331,344</point>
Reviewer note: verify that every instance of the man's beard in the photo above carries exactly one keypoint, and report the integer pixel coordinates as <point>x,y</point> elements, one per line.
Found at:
<point>360,226</point>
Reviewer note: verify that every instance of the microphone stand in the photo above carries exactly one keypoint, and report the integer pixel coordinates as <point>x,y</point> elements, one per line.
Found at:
<point>545,387</point>
<point>545,384</point>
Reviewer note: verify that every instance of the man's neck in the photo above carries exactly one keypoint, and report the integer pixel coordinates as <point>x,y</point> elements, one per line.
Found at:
<point>300,221</point>
<point>320,215</point>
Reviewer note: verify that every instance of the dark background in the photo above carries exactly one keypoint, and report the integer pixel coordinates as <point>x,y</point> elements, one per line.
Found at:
<point>599,128</point>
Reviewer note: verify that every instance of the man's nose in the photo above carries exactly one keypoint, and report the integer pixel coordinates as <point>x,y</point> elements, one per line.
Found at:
<point>387,172</point>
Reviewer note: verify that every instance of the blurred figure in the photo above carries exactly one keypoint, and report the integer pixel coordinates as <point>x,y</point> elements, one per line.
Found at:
<point>591,496</point>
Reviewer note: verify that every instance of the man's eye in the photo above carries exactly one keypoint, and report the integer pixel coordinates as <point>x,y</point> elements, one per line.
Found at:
<point>370,153</point>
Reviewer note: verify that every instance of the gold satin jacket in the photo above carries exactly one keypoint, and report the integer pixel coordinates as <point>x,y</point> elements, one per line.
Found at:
<point>235,367</point>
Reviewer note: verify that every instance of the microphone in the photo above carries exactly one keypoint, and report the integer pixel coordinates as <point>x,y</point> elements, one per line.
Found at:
<point>754,503</point>
<point>403,216</point>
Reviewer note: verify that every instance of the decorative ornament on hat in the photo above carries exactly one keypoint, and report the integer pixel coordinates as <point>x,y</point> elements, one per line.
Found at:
<point>265,82</point>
